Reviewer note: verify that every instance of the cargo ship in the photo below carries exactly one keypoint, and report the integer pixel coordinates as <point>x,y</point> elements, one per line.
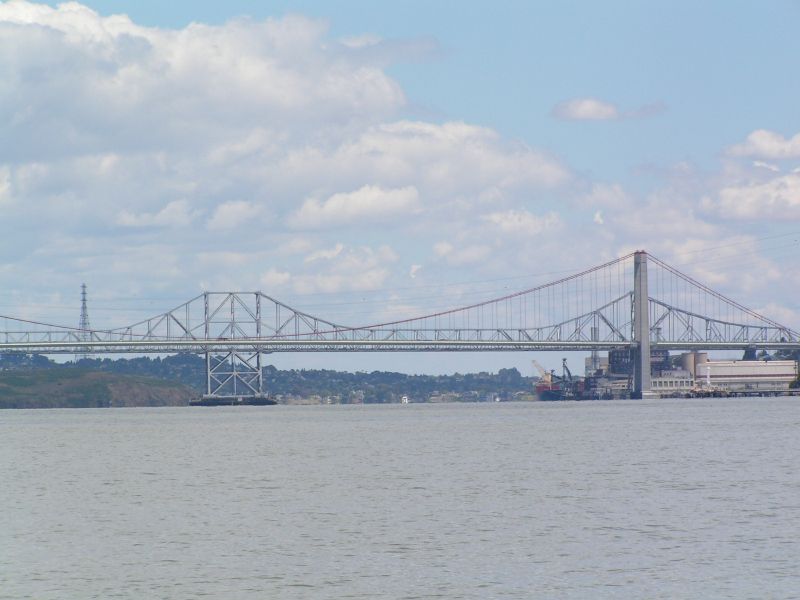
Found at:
<point>548,391</point>
<point>551,387</point>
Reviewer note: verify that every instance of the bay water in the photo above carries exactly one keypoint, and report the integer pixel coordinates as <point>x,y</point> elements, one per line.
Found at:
<point>628,499</point>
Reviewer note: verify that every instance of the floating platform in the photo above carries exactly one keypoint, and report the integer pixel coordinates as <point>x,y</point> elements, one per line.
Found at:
<point>233,401</point>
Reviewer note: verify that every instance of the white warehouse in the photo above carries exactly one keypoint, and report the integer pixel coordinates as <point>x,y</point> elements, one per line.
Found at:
<point>740,375</point>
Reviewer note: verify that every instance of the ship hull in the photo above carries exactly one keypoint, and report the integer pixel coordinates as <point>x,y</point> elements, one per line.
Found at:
<point>549,395</point>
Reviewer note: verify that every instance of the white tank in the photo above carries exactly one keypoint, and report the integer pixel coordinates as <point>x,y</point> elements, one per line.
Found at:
<point>691,360</point>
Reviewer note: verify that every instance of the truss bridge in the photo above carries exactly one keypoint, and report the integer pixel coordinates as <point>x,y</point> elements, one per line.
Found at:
<point>635,301</point>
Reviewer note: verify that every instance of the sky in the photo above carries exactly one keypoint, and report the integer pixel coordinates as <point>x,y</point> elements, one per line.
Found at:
<point>368,161</point>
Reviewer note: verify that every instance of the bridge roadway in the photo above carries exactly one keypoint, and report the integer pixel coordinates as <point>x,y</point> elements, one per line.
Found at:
<point>267,345</point>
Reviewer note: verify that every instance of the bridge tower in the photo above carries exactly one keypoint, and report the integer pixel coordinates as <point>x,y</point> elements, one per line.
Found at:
<point>233,376</point>
<point>641,329</point>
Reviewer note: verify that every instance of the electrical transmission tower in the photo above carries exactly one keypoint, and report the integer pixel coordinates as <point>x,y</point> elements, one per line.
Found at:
<point>84,326</point>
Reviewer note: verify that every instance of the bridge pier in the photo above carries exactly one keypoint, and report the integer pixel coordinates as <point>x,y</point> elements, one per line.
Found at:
<point>234,378</point>
<point>641,329</point>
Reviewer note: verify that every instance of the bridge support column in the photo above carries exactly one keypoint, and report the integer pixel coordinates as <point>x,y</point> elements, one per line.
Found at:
<point>234,378</point>
<point>641,329</point>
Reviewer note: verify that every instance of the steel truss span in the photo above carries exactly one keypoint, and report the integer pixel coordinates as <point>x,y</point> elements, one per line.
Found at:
<point>596,309</point>
<point>267,347</point>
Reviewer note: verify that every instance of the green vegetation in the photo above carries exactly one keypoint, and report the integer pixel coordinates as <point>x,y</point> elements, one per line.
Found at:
<point>387,387</point>
<point>82,388</point>
<point>85,383</point>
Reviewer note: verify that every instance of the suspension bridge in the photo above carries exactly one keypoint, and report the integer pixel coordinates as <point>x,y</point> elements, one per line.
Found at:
<point>636,301</point>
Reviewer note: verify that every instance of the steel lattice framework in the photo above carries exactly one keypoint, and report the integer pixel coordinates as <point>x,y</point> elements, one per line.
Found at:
<point>592,310</point>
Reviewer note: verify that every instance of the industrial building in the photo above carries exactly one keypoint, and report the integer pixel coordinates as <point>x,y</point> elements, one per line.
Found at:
<point>756,376</point>
<point>693,373</point>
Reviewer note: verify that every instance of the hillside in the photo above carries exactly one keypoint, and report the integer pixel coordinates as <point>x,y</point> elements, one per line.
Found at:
<point>295,386</point>
<point>79,388</point>
<point>321,385</point>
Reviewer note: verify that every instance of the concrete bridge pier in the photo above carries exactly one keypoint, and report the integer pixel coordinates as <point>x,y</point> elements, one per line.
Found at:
<point>641,329</point>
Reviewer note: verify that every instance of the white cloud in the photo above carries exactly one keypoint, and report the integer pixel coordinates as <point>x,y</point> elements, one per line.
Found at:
<point>231,215</point>
<point>592,109</point>
<point>331,283</point>
<point>460,255</point>
<point>777,199</point>
<point>598,217</point>
<point>383,52</point>
<point>777,312</point>
<point>469,254</point>
<point>368,204</point>
<point>609,196</point>
<point>442,248</point>
<point>273,278</point>
<point>441,161</point>
<point>174,214</point>
<point>658,222</point>
<point>666,216</point>
<point>585,109</point>
<point>769,167</point>
<point>767,144</point>
<point>295,245</point>
<point>223,259</point>
<point>155,88</point>
<point>327,254</point>
<point>414,270</point>
<point>361,41</point>
<point>702,260</point>
<point>5,184</point>
<point>522,222</point>
<point>347,269</point>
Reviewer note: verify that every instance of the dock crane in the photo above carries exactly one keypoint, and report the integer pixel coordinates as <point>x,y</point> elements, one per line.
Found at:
<point>546,376</point>
<point>566,374</point>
